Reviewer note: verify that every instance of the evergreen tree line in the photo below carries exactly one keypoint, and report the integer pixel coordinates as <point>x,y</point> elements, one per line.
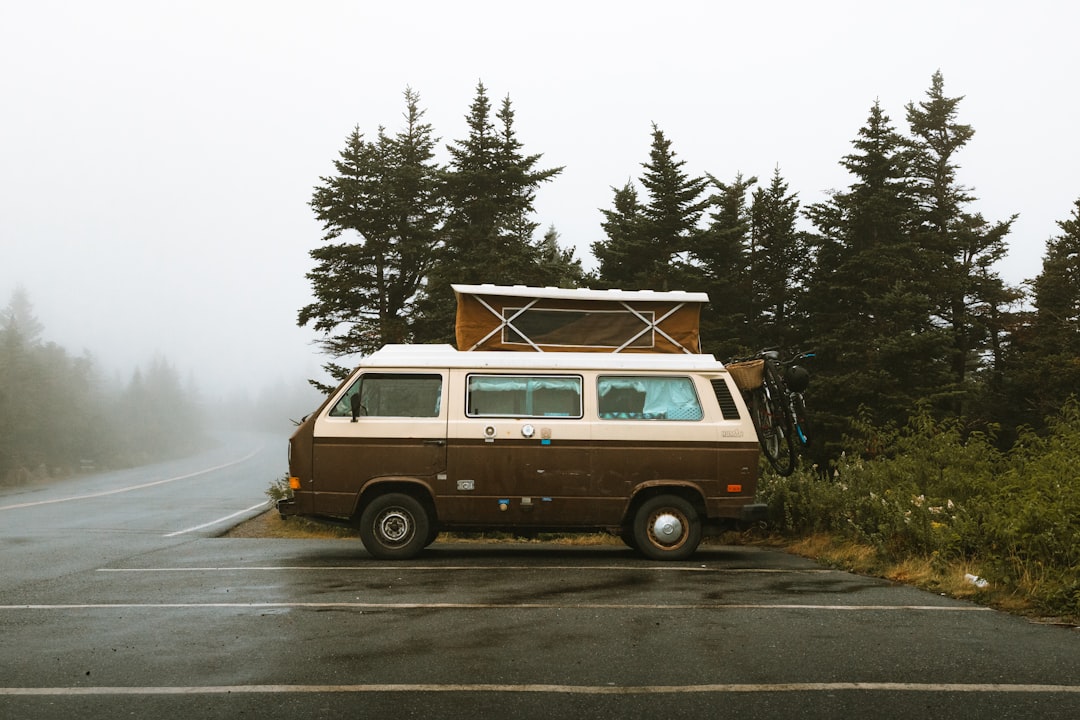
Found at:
<point>58,415</point>
<point>890,281</point>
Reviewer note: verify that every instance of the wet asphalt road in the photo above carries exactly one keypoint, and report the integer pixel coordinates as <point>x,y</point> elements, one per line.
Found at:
<point>118,600</point>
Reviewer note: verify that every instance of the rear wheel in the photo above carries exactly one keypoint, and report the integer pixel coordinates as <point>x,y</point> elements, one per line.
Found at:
<point>667,527</point>
<point>395,526</point>
<point>774,432</point>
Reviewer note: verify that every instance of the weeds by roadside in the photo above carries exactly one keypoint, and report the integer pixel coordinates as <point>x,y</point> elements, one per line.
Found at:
<point>943,504</point>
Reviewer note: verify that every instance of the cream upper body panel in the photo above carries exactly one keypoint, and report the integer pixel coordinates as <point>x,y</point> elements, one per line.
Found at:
<point>461,373</point>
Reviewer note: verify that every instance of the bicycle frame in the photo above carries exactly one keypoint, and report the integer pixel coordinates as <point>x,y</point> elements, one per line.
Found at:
<point>779,413</point>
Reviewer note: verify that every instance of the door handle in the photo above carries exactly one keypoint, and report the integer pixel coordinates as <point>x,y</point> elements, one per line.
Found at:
<point>437,443</point>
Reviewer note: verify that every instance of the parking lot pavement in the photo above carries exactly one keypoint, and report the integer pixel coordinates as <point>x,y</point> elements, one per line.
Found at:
<point>217,627</point>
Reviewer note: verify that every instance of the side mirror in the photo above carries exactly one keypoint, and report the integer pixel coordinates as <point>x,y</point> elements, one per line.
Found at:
<point>355,404</point>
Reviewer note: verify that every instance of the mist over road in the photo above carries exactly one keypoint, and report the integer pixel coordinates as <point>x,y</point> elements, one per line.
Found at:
<point>54,529</point>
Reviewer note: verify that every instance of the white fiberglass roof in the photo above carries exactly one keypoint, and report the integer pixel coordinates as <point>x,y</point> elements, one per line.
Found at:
<point>582,293</point>
<point>446,356</point>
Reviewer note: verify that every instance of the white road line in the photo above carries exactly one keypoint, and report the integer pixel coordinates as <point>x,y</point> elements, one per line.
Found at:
<point>264,504</point>
<point>551,689</point>
<point>490,606</point>
<point>459,568</point>
<point>129,488</point>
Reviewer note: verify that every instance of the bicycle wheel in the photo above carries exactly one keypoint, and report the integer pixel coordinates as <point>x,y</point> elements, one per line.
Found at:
<point>773,434</point>
<point>777,394</point>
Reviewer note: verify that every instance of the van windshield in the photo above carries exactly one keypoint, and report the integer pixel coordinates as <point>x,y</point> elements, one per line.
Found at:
<point>393,395</point>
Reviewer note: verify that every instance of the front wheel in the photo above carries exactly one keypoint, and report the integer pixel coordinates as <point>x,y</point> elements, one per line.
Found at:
<point>667,527</point>
<point>395,526</point>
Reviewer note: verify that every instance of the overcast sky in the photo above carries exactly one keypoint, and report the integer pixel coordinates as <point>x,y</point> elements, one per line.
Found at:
<point>156,158</point>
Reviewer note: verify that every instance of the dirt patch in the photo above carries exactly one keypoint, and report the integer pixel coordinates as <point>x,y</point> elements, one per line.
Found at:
<point>270,524</point>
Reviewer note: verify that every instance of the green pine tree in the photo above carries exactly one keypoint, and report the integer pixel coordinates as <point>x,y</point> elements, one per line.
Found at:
<point>385,202</point>
<point>615,254</point>
<point>490,190</point>
<point>867,296</point>
<point>728,328</point>
<point>1043,360</point>
<point>653,247</point>
<point>960,247</point>
<point>779,262</point>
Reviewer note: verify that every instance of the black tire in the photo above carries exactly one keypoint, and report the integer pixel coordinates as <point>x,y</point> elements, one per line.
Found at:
<point>395,526</point>
<point>773,431</point>
<point>667,527</point>
<point>763,424</point>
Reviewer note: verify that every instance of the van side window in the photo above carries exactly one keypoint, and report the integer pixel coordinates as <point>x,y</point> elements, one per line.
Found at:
<point>631,397</point>
<point>393,395</point>
<point>524,396</point>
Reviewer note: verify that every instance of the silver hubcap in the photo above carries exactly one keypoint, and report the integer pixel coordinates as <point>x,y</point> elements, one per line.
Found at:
<point>395,526</point>
<point>667,528</point>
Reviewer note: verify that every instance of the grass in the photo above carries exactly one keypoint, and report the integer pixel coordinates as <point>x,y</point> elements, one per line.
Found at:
<point>948,579</point>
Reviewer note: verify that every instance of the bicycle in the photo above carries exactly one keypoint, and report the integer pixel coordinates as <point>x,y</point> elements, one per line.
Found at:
<point>773,390</point>
<point>795,379</point>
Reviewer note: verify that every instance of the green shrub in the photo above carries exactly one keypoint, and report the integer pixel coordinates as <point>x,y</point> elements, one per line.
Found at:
<point>1031,527</point>
<point>935,490</point>
<point>279,489</point>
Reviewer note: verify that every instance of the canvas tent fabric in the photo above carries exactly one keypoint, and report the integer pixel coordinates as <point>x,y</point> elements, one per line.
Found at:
<point>519,318</point>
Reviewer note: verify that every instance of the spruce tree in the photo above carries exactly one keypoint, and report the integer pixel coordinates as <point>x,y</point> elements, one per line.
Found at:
<point>557,266</point>
<point>384,200</point>
<point>779,264</point>
<point>1043,368</point>
<point>960,247</point>
<point>654,245</point>
<point>723,256</point>
<point>490,189</point>
<point>622,228</point>
<point>867,298</point>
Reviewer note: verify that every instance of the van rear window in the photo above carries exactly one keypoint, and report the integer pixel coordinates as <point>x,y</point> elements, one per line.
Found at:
<point>524,396</point>
<point>631,397</point>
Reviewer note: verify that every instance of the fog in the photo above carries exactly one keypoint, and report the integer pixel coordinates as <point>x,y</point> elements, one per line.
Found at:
<point>156,158</point>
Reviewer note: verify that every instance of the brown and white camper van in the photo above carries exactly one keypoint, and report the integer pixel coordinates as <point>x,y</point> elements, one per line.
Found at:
<point>655,447</point>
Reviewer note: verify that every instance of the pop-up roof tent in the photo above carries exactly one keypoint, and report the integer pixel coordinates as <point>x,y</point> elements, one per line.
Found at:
<point>497,317</point>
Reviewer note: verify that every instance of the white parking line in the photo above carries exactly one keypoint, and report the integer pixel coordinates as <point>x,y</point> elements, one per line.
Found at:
<point>264,504</point>
<point>491,606</point>
<point>129,488</point>
<point>553,689</point>
<point>458,568</point>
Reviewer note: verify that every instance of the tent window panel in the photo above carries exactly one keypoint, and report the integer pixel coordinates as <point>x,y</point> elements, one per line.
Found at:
<point>579,328</point>
<point>630,397</point>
